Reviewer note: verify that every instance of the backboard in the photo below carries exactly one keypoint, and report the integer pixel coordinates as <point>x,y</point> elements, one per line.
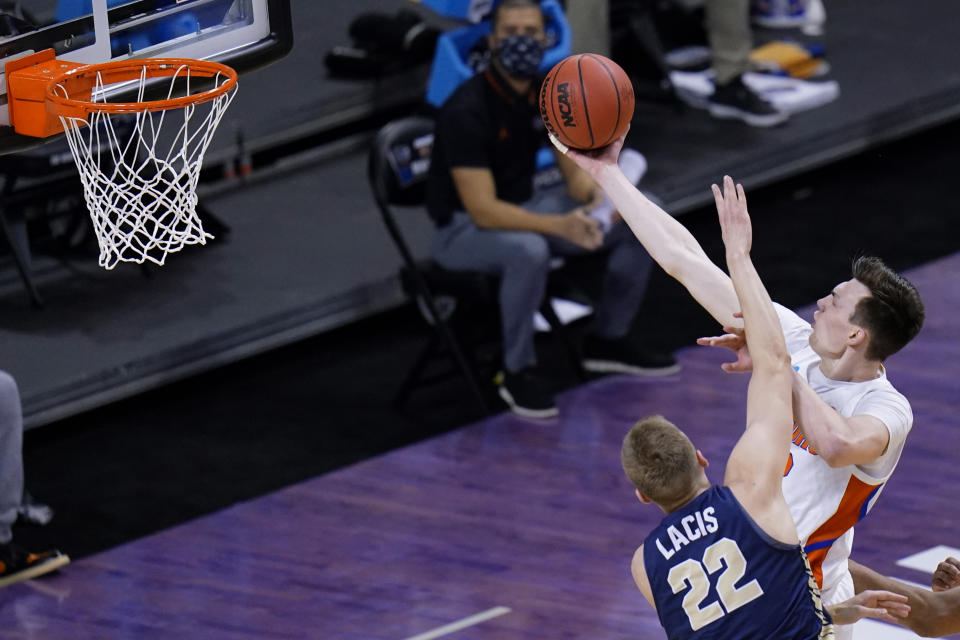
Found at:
<point>244,34</point>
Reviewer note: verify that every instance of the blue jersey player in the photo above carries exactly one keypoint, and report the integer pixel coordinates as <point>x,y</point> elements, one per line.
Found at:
<point>726,562</point>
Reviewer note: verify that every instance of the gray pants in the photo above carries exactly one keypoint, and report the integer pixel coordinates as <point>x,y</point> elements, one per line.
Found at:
<point>728,30</point>
<point>11,455</point>
<point>521,260</point>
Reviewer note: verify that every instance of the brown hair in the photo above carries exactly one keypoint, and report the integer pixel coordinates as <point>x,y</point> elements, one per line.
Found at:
<point>659,459</point>
<point>892,314</point>
<point>514,4</point>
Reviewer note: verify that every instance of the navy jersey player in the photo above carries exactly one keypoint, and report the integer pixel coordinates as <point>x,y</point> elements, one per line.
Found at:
<point>726,562</point>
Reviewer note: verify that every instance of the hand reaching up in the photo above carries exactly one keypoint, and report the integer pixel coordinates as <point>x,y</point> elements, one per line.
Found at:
<point>734,219</point>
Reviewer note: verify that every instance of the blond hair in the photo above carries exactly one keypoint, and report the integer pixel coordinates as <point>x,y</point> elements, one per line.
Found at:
<point>659,459</point>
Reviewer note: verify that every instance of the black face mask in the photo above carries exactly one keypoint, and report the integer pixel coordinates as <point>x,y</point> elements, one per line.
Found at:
<point>520,56</point>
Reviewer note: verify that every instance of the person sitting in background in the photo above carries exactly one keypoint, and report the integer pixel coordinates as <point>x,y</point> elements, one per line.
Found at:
<point>16,563</point>
<point>932,613</point>
<point>480,193</point>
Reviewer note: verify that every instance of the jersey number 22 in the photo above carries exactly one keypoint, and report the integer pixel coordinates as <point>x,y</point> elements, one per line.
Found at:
<point>693,573</point>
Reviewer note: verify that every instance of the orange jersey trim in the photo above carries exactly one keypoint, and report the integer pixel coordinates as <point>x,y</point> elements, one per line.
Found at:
<point>852,508</point>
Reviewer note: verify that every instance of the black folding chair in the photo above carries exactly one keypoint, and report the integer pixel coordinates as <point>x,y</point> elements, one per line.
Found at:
<point>398,165</point>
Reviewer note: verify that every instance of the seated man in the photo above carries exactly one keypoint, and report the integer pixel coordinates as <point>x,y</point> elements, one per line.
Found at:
<point>15,563</point>
<point>932,613</point>
<point>726,561</point>
<point>480,193</point>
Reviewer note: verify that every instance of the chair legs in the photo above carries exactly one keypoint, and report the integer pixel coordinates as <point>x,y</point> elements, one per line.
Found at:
<point>444,335</point>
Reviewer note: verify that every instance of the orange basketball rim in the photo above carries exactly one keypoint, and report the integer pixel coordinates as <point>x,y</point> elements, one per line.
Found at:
<point>139,161</point>
<point>42,88</point>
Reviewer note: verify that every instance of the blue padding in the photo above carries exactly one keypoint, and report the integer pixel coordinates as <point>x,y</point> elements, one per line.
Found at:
<point>450,67</point>
<point>545,159</point>
<point>70,9</point>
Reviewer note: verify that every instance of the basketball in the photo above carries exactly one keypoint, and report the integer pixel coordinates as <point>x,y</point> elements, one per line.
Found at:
<point>586,101</point>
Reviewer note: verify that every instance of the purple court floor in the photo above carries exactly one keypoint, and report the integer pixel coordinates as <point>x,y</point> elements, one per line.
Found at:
<point>530,524</point>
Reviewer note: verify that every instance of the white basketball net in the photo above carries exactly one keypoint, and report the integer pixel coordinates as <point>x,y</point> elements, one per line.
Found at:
<point>139,180</point>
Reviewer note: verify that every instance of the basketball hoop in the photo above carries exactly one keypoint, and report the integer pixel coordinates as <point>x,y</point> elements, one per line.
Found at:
<point>139,161</point>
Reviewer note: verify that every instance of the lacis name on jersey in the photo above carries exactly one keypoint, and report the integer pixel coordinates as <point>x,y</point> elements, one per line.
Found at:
<point>695,525</point>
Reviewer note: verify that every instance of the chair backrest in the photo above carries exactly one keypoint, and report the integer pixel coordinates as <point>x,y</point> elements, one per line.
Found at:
<point>399,161</point>
<point>397,168</point>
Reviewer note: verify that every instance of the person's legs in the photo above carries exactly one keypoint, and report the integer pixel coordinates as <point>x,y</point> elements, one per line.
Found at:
<point>624,282</point>
<point>628,263</point>
<point>15,563</point>
<point>609,348</point>
<point>590,23</point>
<point>11,455</point>
<point>521,261</point>
<point>728,30</point>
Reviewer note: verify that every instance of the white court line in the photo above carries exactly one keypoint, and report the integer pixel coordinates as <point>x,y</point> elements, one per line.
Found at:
<point>928,560</point>
<point>874,630</point>
<point>463,623</point>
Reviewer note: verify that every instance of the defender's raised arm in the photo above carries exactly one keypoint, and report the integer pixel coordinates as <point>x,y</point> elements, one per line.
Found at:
<point>755,466</point>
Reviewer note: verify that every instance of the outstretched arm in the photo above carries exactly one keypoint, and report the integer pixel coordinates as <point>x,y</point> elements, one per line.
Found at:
<point>932,614</point>
<point>754,469</point>
<point>667,241</point>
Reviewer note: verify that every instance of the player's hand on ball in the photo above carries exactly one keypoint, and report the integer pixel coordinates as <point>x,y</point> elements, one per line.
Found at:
<point>596,160</point>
